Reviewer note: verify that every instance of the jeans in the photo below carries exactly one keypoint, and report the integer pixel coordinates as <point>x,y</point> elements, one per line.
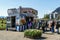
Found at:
<point>43,28</point>
<point>52,29</point>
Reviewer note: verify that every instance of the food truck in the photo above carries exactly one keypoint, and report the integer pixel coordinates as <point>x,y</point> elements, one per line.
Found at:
<point>16,15</point>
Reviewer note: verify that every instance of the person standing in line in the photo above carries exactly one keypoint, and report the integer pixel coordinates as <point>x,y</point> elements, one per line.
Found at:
<point>46,26</point>
<point>40,23</point>
<point>43,27</point>
<point>29,24</point>
<point>57,27</point>
<point>49,24</point>
<point>35,24</point>
<point>52,26</point>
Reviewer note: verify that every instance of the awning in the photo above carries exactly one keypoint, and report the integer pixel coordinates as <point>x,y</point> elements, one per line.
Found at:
<point>27,14</point>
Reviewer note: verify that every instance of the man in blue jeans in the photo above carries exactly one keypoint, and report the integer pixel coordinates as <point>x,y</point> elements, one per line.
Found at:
<point>52,27</point>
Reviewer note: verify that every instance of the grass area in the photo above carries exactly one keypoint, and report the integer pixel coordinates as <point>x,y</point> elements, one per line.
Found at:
<point>2,24</point>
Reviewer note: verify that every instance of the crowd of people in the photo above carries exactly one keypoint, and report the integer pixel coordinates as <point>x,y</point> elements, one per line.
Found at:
<point>51,25</point>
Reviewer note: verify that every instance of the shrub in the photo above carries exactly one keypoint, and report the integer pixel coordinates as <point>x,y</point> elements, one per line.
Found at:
<point>33,33</point>
<point>2,26</point>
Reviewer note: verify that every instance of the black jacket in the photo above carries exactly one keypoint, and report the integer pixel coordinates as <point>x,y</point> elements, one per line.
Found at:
<point>58,25</point>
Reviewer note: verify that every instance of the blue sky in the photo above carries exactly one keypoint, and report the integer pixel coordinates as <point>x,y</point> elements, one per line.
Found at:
<point>43,6</point>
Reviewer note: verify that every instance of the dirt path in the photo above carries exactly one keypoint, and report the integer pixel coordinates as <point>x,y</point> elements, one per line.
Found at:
<point>50,36</point>
<point>10,35</point>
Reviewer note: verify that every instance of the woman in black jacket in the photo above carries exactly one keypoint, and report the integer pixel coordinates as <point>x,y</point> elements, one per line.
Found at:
<point>43,27</point>
<point>57,27</point>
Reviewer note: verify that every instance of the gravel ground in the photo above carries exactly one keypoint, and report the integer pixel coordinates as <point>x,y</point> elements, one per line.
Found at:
<point>11,35</point>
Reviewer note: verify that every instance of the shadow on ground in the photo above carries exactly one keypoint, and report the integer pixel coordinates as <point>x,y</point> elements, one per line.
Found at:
<point>49,33</point>
<point>42,38</point>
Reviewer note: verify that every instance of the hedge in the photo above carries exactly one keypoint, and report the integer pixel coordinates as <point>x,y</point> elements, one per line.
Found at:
<point>33,33</point>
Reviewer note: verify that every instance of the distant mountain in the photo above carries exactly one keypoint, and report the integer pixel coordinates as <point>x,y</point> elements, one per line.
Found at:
<point>57,10</point>
<point>2,17</point>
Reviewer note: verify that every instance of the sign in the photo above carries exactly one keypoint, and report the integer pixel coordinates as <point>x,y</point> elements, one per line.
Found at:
<point>17,20</point>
